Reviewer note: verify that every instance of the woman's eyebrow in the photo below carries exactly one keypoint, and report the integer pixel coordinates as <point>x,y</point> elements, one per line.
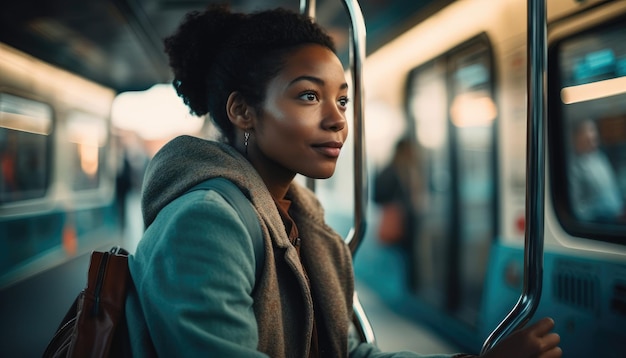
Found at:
<point>314,79</point>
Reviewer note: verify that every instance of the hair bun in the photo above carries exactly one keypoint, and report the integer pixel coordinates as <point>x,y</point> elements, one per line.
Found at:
<point>195,44</point>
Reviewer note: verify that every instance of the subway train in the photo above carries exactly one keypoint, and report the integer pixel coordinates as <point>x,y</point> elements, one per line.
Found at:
<point>57,193</point>
<point>58,168</point>
<point>454,83</point>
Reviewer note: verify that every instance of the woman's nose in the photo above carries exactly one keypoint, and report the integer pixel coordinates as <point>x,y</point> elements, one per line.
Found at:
<point>334,119</point>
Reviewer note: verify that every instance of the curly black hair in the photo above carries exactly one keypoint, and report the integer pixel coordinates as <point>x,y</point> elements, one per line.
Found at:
<point>216,52</point>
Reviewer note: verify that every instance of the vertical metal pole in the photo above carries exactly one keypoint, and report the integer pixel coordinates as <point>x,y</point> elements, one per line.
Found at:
<point>354,237</point>
<point>307,7</point>
<point>535,189</point>
<point>357,58</point>
<point>356,234</point>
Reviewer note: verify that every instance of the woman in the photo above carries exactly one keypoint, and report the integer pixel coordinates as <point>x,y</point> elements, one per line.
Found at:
<point>273,85</point>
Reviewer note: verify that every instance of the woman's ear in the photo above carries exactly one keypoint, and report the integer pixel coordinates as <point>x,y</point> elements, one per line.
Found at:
<point>239,113</point>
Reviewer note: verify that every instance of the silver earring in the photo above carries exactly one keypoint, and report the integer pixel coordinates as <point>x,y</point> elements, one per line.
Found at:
<point>246,135</point>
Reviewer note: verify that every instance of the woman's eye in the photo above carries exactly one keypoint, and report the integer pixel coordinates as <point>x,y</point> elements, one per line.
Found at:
<point>309,96</point>
<point>343,102</point>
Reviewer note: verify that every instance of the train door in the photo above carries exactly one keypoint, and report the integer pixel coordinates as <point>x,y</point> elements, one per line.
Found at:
<point>451,101</point>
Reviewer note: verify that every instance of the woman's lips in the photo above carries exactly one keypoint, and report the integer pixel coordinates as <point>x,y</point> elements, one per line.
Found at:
<point>329,149</point>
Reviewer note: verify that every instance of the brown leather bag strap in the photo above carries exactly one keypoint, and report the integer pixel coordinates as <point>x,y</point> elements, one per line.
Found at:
<point>101,309</point>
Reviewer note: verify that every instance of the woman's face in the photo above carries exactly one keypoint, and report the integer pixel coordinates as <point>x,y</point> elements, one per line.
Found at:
<point>303,125</point>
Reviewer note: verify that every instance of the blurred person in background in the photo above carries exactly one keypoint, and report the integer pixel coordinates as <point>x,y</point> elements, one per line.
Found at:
<point>594,190</point>
<point>395,192</point>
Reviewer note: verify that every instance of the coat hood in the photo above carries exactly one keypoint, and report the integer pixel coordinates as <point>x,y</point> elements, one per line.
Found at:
<point>186,161</point>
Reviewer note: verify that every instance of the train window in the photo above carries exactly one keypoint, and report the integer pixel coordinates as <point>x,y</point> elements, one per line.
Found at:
<point>587,92</point>
<point>25,127</point>
<point>87,135</point>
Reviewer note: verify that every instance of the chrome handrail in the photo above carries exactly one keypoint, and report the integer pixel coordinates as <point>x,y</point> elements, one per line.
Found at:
<point>357,232</point>
<point>535,187</point>
<point>307,7</point>
<point>357,58</point>
<point>361,323</point>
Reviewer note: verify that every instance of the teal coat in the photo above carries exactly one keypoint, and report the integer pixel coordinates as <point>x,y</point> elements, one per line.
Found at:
<point>194,291</point>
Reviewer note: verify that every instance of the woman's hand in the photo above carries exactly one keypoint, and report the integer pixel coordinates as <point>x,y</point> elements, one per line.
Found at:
<point>535,341</point>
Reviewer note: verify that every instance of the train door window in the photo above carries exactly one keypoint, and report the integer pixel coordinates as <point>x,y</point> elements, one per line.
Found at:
<point>25,127</point>
<point>587,92</point>
<point>451,102</point>
<point>472,114</point>
<point>427,108</point>
<point>88,135</point>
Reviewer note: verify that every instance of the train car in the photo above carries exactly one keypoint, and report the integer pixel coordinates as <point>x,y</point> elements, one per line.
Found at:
<point>58,168</point>
<point>453,83</point>
<point>456,85</point>
<point>57,189</point>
